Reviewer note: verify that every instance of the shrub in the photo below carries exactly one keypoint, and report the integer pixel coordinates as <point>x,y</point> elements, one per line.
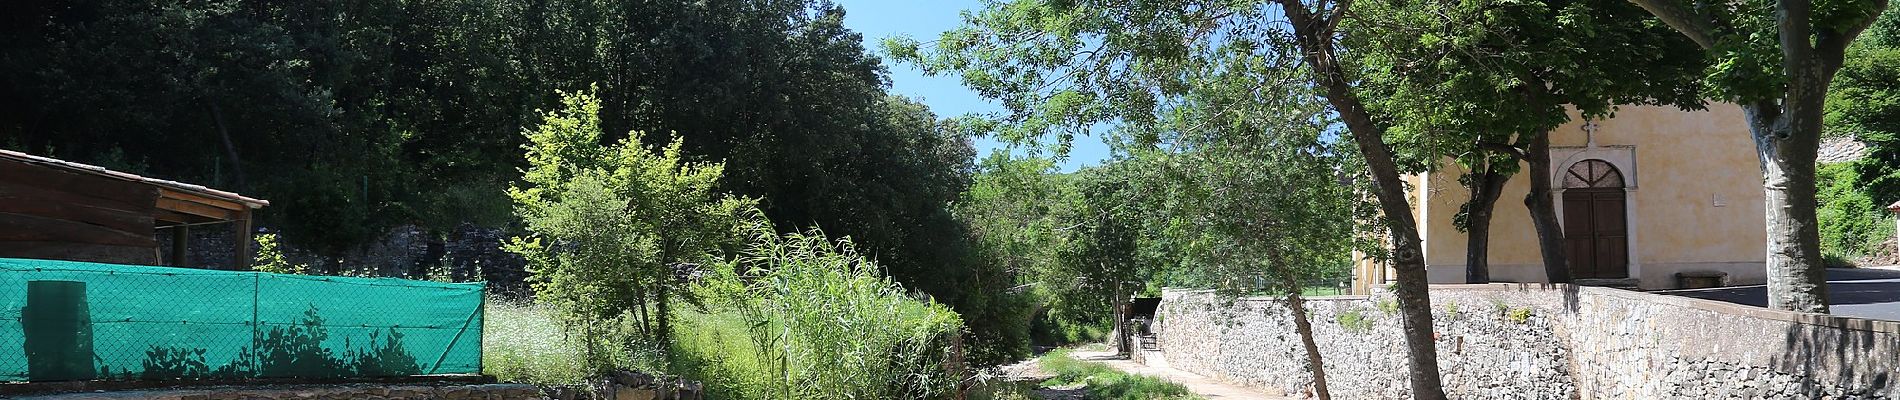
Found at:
<point>1519,315</point>
<point>1852,221</point>
<point>1355,321</point>
<point>810,318</point>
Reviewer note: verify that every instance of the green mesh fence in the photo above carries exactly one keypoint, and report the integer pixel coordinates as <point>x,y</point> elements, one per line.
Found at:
<point>62,320</point>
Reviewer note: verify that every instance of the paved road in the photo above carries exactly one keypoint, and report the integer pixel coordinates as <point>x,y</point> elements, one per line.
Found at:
<point>1199,385</point>
<point>1859,292</point>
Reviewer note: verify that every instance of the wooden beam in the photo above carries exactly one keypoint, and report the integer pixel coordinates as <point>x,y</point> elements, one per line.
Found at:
<point>33,228</point>
<point>198,209</point>
<point>169,218</point>
<point>181,246</point>
<point>28,200</point>
<point>140,255</point>
<point>129,194</point>
<point>164,192</point>
<point>242,257</point>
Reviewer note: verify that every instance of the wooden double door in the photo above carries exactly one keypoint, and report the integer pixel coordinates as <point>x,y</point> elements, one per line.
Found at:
<point>1596,233</point>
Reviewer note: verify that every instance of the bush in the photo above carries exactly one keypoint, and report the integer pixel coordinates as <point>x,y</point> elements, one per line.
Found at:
<point>1853,222</point>
<point>809,318</point>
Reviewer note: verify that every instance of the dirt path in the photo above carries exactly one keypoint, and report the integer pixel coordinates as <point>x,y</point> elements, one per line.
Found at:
<point>1199,385</point>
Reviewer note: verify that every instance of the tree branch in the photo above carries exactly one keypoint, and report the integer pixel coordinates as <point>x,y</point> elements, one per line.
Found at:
<point>1698,27</point>
<point>1831,45</point>
<point>1791,18</point>
<point>1514,152</point>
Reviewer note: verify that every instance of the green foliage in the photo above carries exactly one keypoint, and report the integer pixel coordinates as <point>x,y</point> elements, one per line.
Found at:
<point>1501,71</point>
<point>1387,305</point>
<point>1853,224</point>
<point>811,318</point>
<point>1863,103</point>
<point>270,257</point>
<point>1105,383</point>
<point>1451,310</point>
<point>1355,321</point>
<point>610,225</point>
<point>1519,315</point>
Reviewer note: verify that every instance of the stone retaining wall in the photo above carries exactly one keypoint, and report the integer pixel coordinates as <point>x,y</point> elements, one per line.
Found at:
<point>1533,341</point>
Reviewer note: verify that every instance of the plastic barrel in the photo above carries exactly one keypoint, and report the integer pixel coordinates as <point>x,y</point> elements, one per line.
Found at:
<point>58,329</point>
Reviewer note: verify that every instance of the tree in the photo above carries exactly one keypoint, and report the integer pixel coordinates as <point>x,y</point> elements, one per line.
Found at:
<point>613,226</point>
<point>1486,82</point>
<point>1099,254</point>
<point>1267,203</point>
<point>1064,67</point>
<point>1776,60</point>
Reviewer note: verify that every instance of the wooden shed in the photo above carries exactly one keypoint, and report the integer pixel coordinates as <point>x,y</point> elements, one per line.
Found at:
<point>62,210</point>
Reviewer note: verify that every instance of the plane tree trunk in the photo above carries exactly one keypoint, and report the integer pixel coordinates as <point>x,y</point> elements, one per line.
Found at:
<point>1543,209</point>
<point>1797,277</point>
<point>1486,185</point>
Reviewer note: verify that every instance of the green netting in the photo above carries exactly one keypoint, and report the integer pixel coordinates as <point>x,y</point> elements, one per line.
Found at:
<point>63,320</point>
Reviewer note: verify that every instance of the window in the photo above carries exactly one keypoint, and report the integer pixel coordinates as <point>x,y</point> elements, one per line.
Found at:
<point>1593,174</point>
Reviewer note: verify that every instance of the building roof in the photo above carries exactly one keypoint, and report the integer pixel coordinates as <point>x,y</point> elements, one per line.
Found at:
<point>1894,207</point>
<point>88,169</point>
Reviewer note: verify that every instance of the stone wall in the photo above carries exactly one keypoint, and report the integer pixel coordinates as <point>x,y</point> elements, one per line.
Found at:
<point>1533,341</point>
<point>468,253</point>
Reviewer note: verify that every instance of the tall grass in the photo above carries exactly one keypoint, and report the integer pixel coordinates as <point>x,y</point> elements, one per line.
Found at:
<point>811,319</point>
<point>521,343</point>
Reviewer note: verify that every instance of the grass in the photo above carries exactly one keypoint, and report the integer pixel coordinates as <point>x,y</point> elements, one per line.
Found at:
<point>521,343</point>
<point>1105,383</point>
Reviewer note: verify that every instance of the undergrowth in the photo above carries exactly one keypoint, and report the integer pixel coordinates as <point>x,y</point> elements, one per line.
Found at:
<point>1105,383</point>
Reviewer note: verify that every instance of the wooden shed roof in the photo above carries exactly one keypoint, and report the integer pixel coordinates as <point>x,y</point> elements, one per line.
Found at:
<point>178,202</point>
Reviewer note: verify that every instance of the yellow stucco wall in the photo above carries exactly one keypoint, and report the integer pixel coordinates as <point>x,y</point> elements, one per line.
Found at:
<point>1696,204</point>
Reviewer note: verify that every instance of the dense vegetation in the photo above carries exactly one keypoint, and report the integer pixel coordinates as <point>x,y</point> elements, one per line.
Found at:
<point>726,189</point>
<point>1865,105</point>
<point>354,117</point>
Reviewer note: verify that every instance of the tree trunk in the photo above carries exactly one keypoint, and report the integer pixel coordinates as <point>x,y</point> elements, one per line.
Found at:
<point>1486,186</point>
<point>1304,326</point>
<point>1786,144</point>
<point>1543,208</point>
<point>1314,36</point>
<point>230,147</point>
<point>1118,328</point>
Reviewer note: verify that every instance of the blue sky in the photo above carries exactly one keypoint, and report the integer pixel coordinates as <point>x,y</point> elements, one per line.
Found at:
<point>924,20</point>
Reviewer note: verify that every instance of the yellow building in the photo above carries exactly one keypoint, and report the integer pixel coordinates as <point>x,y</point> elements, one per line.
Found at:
<point>1645,197</point>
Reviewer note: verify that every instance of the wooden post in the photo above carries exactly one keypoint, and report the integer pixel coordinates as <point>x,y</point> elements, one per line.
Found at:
<point>241,257</point>
<point>181,246</point>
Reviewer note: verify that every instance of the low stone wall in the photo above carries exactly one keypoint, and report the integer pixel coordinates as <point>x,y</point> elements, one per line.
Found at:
<point>1540,342</point>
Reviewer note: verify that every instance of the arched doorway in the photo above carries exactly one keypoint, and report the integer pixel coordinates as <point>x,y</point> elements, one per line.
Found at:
<point>1596,230</point>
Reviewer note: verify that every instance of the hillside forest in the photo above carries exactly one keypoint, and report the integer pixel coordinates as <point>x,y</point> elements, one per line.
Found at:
<point>732,188</point>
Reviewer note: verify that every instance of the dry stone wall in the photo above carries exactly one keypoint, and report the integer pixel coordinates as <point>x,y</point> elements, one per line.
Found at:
<point>1537,342</point>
